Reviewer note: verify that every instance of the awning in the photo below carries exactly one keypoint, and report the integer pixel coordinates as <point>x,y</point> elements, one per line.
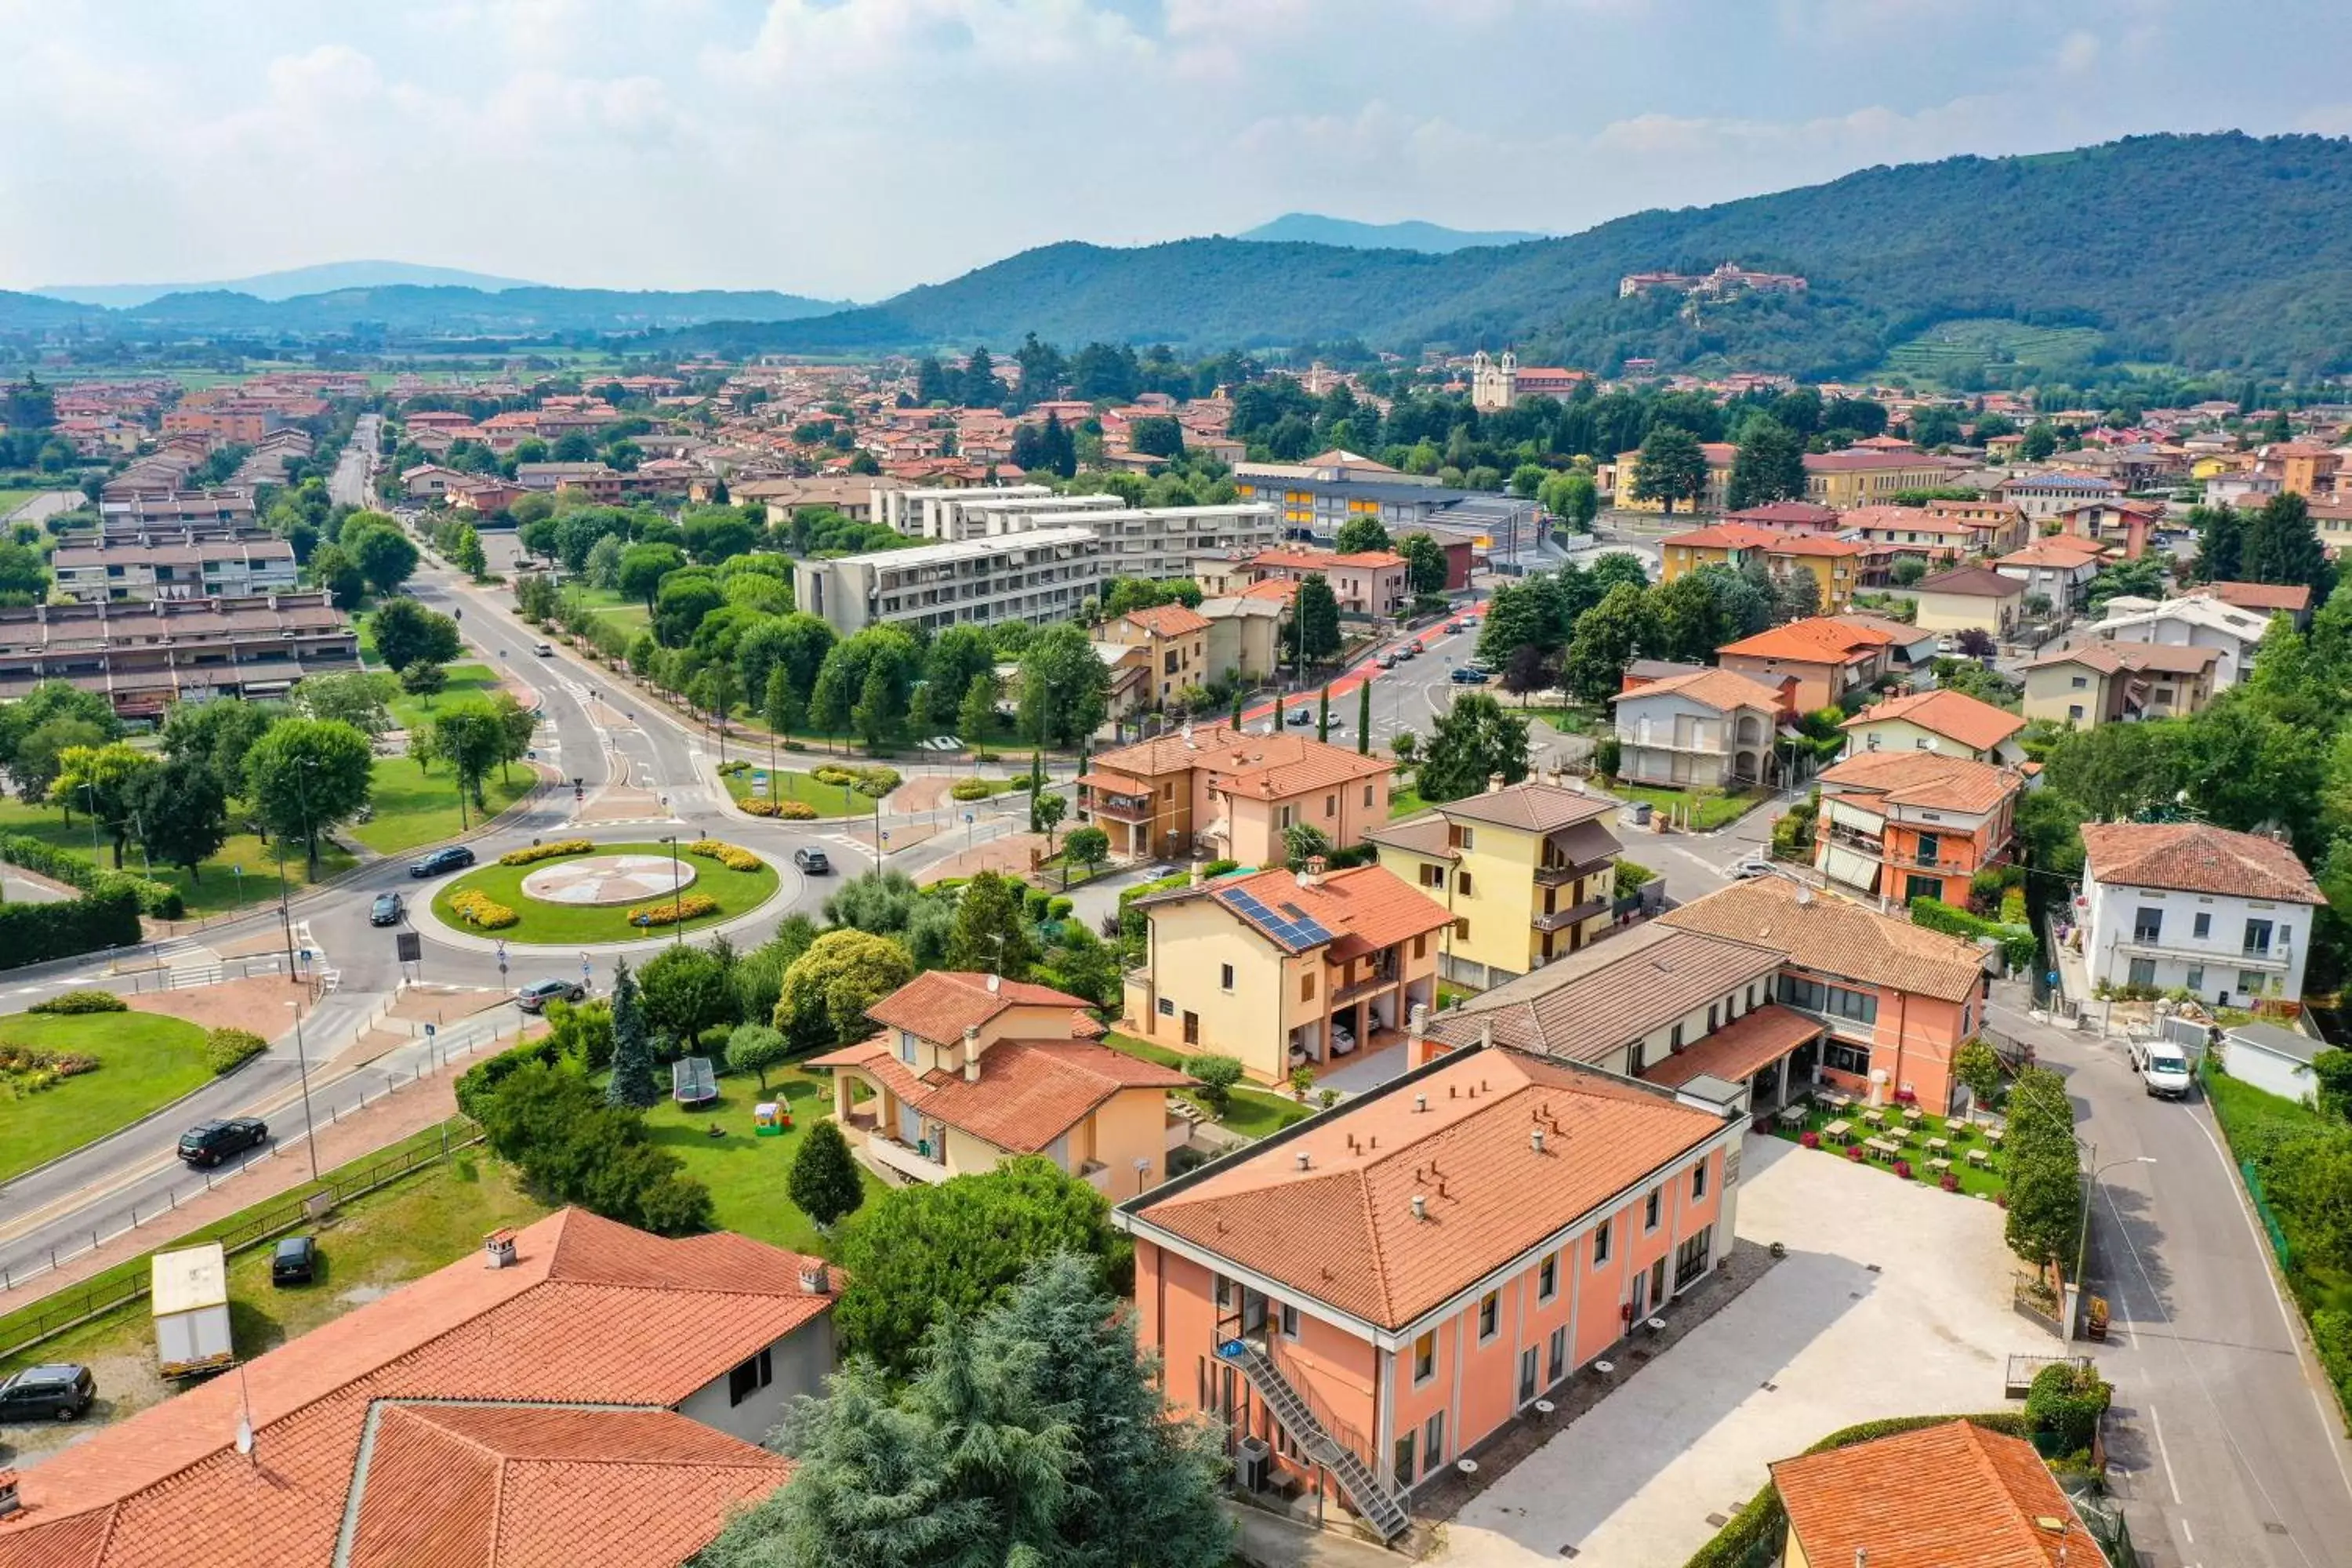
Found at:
<point>1740,1049</point>
<point>1851,868</point>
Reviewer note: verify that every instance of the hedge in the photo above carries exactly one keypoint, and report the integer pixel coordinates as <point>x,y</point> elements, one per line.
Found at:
<point>789,810</point>
<point>2018,947</point>
<point>160,899</point>
<point>692,907</point>
<point>970,789</point>
<point>538,852</point>
<point>476,1084</point>
<point>727,855</point>
<point>477,907</point>
<point>107,916</point>
<point>227,1050</point>
<point>71,1003</point>
<point>1763,1518</point>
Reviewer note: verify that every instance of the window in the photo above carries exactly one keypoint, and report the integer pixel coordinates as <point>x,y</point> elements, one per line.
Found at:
<point>1330,805</point>
<point>907,1048</point>
<point>749,1378</point>
<point>1461,929</point>
<point>1601,1247</point>
<point>2258,936</point>
<point>2147,925</point>
<point>1711,1012</point>
<point>1557,1367</point>
<point>1226,976</point>
<point>1835,1001</point>
<point>2203,927</point>
<point>1289,1321</point>
<point>1420,945</point>
<point>1433,1440</point>
<point>1424,1357</point>
<point>1462,883</point>
<point>1368,797</point>
<point>1650,1207</point>
<point>1547,1277</point>
<point>1839,1056</point>
<point>1167,1008</point>
<point>2251,982</point>
<point>1674,1038</point>
<point>2074,711</point>
<point>2077,684</point>
<point>1457,836</point>
<point>1490,1315</point>
<point>1404,1458</point>
<point>1433,876</point>
<point>1691,1258</point>
<point>1698,1181</point>
<point>2195,980</point>
<point>1930,847</point>
<point>1306,986</point>
<point>1286,817</point>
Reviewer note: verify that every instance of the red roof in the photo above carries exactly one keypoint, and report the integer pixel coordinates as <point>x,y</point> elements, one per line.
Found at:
<point>1771,541</point>
<point>1029,1092</point>
<point>1934,1497</point>
<point>1169,620</point>
<point>1739,1050</point>
<point>941,1004</point>
<point>1324,560</point>
<point>1822,640</point>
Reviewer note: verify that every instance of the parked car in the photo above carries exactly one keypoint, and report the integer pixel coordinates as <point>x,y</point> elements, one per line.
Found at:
<point>1300,716</point>
<point>295,1261</point>
<point>450,858</point>
<point>210,1143</point>
<point>1343,1040</point>
<point>2162,1069</point>
<point>60,1391</point>
<point>813,861</point>
<point>387,910</point>
<point>536,995</point>
<point>1388,660</point>
<point>1468,674</point>
<point>544,650</point>
<point>1754,866</point>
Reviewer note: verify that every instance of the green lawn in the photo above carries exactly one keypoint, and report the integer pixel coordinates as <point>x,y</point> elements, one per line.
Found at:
<point>738,892</point>
<point>824,799</point>
<point>747,1174</point>
<point>1252,1113</point>
<point>145,1061</point>
<point>217,888</point>
<point>465,680</point>
<point>1404,800</point>
<point>609,603</point>
<point>1986,1183</point>
<point>1709,808</point>
<point>413,807</point>
<point>12,497</point>
<point>1567,721</point>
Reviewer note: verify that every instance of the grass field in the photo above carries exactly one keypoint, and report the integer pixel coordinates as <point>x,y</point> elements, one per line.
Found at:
<point>243,872</point>
<point>1252,1113</point>
<point>145,1061</point>
<point>608,602</point>
<point>465,680</point>
<point>1709,808</point>
<point>747,1174</point>
<point>1404,800</point>
<point>414,808</point>
<point>542,924</point>
<point>824,799</point>
<point>12,497</point>
<point>1953,348</point>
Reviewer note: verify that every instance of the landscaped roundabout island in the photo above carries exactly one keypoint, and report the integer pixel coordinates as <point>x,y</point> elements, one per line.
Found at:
<point>574,891</point>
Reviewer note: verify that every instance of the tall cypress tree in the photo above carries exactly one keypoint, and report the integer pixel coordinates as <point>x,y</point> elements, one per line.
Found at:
<point>632,1083</point>
<point>1323,715</point>
<point>1364,719</point>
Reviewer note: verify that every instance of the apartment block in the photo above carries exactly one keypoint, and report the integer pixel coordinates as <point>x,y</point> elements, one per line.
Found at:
<point>186,569</point>
<point>1044,575</point>
<point>144,656</point>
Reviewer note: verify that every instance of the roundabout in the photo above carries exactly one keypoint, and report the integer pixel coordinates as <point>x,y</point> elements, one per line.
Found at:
<point>605,894</point>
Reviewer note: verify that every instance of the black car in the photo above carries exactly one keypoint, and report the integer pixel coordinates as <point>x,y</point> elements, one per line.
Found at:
<point>295,1261</point>
<point>455,858</point>
<point>540,992</point>
<point>1301,716</point>
<point>56,1393</point>
<point>813,861</point>
<point>386,911</point>
<point>210,1143</point>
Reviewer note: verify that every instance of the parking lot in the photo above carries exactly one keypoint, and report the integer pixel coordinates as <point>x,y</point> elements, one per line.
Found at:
<point>1892,1300</point>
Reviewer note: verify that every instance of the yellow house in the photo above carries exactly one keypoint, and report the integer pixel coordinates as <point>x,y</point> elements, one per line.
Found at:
<point>1835,565</point>
<point>1968,597</point>
<point>1528,873</point>
<point>1861,476</point>
<point>971,1070</point>
<point>1174,641</point>
<point>1719,454</point>
<point>1281,969</point>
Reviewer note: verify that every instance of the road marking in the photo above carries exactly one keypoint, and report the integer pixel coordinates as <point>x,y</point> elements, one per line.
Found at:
<point>2155,1422</point>
<point>2187,1534</point>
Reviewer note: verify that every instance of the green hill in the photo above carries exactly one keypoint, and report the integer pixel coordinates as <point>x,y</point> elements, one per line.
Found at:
<point>1314,228</point>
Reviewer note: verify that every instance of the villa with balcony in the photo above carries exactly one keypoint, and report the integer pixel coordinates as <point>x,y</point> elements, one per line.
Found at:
<point>1223,792</point>
<point>1912,825</point>
<point>970,1070</point>
<point>2185,905</point>
<point>1706,728</point>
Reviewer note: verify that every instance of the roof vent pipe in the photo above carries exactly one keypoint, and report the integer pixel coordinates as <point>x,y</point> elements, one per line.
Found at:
<point>1535,1139</point>
<point>1420,1206</point>
<point>1305,1160</point>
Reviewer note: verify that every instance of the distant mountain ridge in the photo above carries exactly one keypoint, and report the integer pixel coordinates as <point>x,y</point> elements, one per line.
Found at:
<point>1429,238</point>
<point>413,309</point>
<point>326,277</point>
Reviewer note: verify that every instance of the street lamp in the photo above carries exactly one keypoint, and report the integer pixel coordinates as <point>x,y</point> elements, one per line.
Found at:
<point>285,902</point>
<point>2089,1195</point>
<point>676,897</point>
<point>302,1064</point>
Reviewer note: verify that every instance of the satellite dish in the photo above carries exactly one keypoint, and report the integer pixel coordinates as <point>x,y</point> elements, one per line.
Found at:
<point>244,1434</point>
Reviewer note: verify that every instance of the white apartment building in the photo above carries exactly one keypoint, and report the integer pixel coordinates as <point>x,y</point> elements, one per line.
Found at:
<point>189,569</point>
<point>1042,574</point>
<point>976,515</point>
<point>2198,622</point>
<point>911,511</point>
<point>2184,905</point>
<point>1159,542</point>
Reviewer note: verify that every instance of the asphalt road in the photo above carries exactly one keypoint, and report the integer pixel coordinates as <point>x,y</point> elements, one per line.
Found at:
<point>348,485</point>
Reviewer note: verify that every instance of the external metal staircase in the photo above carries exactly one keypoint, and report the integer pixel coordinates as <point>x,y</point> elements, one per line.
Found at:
<point>1378,1506</point>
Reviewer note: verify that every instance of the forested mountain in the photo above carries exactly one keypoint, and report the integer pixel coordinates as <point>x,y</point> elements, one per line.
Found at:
<point>413,309</point>
<point>2220,251</point>
<point>324,277</point>
<point>1434,240</point>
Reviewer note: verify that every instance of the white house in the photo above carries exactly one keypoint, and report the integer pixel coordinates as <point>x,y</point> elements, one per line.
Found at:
<point>2199,622</point>
<point>2184,905</point>
<point>1710,728</point>
<point>2273,1059</point>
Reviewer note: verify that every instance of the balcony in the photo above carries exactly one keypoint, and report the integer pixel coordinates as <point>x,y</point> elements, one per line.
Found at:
<point>1562,874</point>
<point>1575,915</point>
<point>1122,808</point>
<point>2279,956</point>
<point>1096,1174</point>
<point>905,1161</point>
<point>1382,976</point>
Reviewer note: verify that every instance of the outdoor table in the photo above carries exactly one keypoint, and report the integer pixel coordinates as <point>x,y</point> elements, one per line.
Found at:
<point>1912,1113</point>
<point>1836,1100</point>
<point>1993,1136</point>
<point>1840,1131</point>
<point>1875,1116</point>
<point>1883,1148</point>
<point>1793,1114</point>
<point>1958,1126</point>
<point>1976,1157</point>
<point>1938,1145</point>
<point>1940,1166</point>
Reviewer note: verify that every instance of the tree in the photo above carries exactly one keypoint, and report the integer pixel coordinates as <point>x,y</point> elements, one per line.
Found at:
<point>1216,1074</point>
<point>1359,535</point>
<point>2041,440</point>
<point>1526,480</point>
<point>1571,498</point>
<point>642,567</point>
<point>1796,595</point>
<point>305,773</point>
<point>922,1255</point>
<point>579,1149</point>
<point>977,713</point>
<point>1302,842</point>
<point>333,568</point>
<point>1424,561</point>
<point>754,1048</point>
<point>1770,466</point>
<point>681,603</point>
<point>405,631</point>
<point>1671,467</point>
<point>358,698</point>
<point>1045,814</point>
<point>466,556</point>
<point>467,736</point>
<point>1609,636</point>
<point>215,735</point>
<point>827,989</point>
<point>1364,718</point>
<point>878,715</point>
<point>1064,689</point>
<point>105,781</point>
<point>991,934</point>
<point>386,556</point>
<point>1472,741</point>
<point>1087,847</point>
<point>2221,542</point>
<point>824,1183</point>
<point>685,992</point>
<point>1976,1065</point>
<point>718,533</point>
<point>1156,437</point>
<point>424,679</point>
<point>1323,714</point>
<point>632,1083</point>
<point>180,813</point>
<point>2281,545</point>
<point>1315,619</point>
<point>24,575</point>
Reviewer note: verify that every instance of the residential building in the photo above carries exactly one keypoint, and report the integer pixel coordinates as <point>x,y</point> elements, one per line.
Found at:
<point>143,656</point>
<point>1995,527</point>
<point>1909,649</point>
<point>1834,564</point>
<point>1893,533</point>
<point>591,1385</point>
<point>1317,498</point>
<point>1366,584</point>
<point>1790,517</point>
<point>1831,659</point>
<point>1950,722</point>
<point>1223,792</point>
<point>236,420</point>
<point>1160,542</point>
<point>1047,574</point>
<point>1913,825</point>
<point>971,1070</point>
<point>1969,599</point>
<point>2189,905</point>
<point>484,498</point>
<point>983,510</point>
<point>1244,636</point>
<point>2044,495</point>
<point>191,569</point>
<point>1282,969</point>
<point>1859,477</point>
<point>857,497</point>
<point>913,510</point>
<point>1293,1292</point>
<point>1896,1000</point>
<point>2103,682</point>
<point>1174,645</point>
<point>2272,1059</point>
<point>2059,569</point>
<point>2274,599</point>
<point>429,481</point>
<point>2123,525</point>
<point>2199,621</point>
<point>224,512</point>
<point>1953,1493</point>
<point>1713,498</point>
<point>1527,870</point>
<point>2301,468</point>
<point>1711,728</point>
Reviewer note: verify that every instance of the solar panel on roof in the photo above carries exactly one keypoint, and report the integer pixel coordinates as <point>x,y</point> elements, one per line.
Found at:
<point>1292,927</point>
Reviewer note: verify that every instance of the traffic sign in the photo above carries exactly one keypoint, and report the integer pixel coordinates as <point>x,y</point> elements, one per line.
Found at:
<point>410,946</point>
<point>429,1031</point>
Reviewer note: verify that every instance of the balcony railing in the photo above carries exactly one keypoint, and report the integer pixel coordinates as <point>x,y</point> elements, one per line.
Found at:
<point>906,1162</point>
<point>1125,807</point>
<point>1560,876</point>
<point>1380,980</point>
<point>1575,915</point>
<point>2279,955</point>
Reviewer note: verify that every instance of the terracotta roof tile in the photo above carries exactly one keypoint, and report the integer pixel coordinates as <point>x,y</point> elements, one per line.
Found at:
<point>1823,639</point>
<point>1722,689</point>
<point>1978,725</point>
<point>1363,908</point>
<point>1739,1050</point>
<point>1030,1091</point>
<point>941,1004</point>
<point>1831,936</point>
<point>1275,767</point>
<point>1169,620</point>
<point>1771,541</point>
<point>2197,857</point>
<point>1929,779</point>
<point>1932,1498</point>
<point>1971,582</point>
<point>1587,1006</point>
<point>2296,596</point>
<point>1531,805</point>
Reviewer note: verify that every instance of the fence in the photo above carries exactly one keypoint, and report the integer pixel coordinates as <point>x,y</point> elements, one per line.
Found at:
<point>2271,1227</point>
<point>79,1305</point>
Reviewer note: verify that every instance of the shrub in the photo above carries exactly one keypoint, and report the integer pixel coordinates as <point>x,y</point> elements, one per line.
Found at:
<point>1810,1139</point>
<point>1216,1075</point>
<point>225,1049</point>
<point>159,900</point>
<point>574,1147</point>
<point>478,909</point>
<point>476,1084</point>
<point>107,916</point>
<point>1977,1066</point>
<point>737,765</point>
<point>538,852</point>
<point>787,810</point>
<point>24,1071</point>
<point>727,855</point>
<point>2018,948</point>
<point>76,1002</point>
<point>872,779</point>
<point>1902,1169</point>
<point>2067,1401</point>
<point>1856,1153</point>
<point>692,907</point>
<point>970,789</point>
<point>1949,1183</point>
<point>1219,867</point>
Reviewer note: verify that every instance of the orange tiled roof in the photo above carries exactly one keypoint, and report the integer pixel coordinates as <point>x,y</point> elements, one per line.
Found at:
<point>2197,857</point>
<point>1832,936</point>
<point>1028,1094</point>
<point>1587,1005</point>
<point>941,1004</point>
<point>1324,560</point>
<point>1722,689</point>
<point>2057,549</point>
<point>1771,541</point>
<point>1275,767</point>
<point>1821,639</point>
<point>1169,620</point>
<point>168,1484</point>
<point>1342,1230</point>
<point>2296,596</point>
<point>1364,908</point>
<point>1188,747</point>
<point>1739,1050</point>
<point>1978,725</point>
<point>1942,1495</point>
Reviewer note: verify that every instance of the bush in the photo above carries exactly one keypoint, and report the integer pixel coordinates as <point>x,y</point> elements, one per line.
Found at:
<point>727,855</point>
<point>107,916</point>
<point>693,906</point>
<point>1902,1169</point>
<point>1810,1139</point>
<point>477,1083</point>
<point>225,1049</point>
<point>785,810</point>
<point>872,779</point>
<point>538,852</point>
<point>1856,1153</point>
<point>2018,947</point>
<point>737,765</point>
<point>1216,1075</point>
<point>159,900</point>
<point>970,789</point>
<point>477,907</point>
<point>2067,1401</point>
<point>1977,1066</point>
<point>77,1002</point>
<point>573,1147</point>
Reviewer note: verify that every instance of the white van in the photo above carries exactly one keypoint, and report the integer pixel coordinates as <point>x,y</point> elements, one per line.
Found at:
<point>2162,1067</point>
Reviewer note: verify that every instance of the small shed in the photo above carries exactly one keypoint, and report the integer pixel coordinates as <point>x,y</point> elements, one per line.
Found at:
<point>2272,1059</point>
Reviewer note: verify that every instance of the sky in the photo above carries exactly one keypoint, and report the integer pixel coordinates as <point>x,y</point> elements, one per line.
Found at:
<point>852,148</point>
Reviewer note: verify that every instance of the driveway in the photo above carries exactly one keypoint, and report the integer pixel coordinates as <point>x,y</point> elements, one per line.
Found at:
<point>1893,1300</point>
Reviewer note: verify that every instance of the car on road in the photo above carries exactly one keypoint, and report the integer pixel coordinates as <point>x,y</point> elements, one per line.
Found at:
<point>2162,1069</point>
<point>1468,674</point>
<point>1388,660</point>
<point>1300,716</point>
<point>544,650</point>
<point>1410,651</point>
<point>451,858</point>
<point>812,862</point>
<point>59,1391</point>
<point>387,910</point>
<point>1452,628</point>
<point>535,996</point>
<point>294,1261</point>
<point>1754,866</point>
<point>209,1142</point>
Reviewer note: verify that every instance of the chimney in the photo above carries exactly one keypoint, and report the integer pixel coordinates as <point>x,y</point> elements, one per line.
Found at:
<point>1535,1139</point>
<point>971,1052</point>
<point>995,984</point>
<point>499,1249</point>
<point>1312,876</point>
<point>1487,1034</point>
<point>1421,1103</point>
<point>1494,781</point>
<point>8,1503</point>
<point>1306,1160</point>
<point>815,1280</point>
<point>1420,1206</point>
<point>1197,878</point>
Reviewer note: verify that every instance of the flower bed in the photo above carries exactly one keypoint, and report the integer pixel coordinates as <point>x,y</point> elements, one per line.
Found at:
<point>692,907</point>
<point>478,909</point>
<point>787,810</point>
<point>873,779</point>
<point>538,852</point>
<point>727,855</point>
<point>24,1071</point>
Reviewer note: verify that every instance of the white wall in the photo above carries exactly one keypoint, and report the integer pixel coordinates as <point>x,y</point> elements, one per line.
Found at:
<point>800,1360</point>
<point>2109,949</point>
<point>2271,1074</point>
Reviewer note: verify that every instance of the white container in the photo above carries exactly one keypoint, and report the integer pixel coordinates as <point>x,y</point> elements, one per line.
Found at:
<point>188,1292</point>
